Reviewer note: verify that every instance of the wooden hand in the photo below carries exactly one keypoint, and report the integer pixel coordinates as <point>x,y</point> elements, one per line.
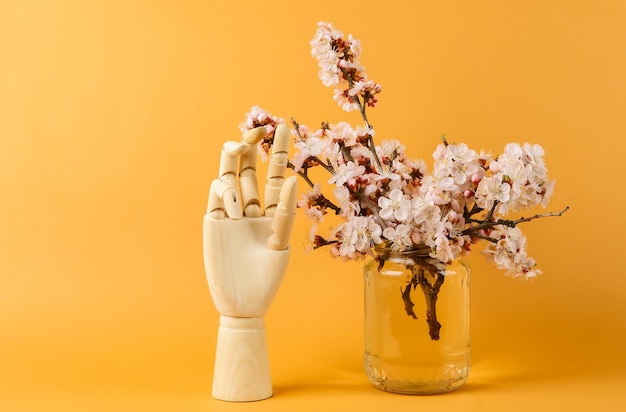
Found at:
<point>246,251</point>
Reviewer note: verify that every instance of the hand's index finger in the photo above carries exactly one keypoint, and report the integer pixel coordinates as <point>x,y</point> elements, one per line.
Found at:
<point>224,192</point>
<point>229,161</point>
<point>277,168</point>
<point>254,136</point>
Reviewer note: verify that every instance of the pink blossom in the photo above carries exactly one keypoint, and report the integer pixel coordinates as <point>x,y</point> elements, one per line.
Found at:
<point>345,101</point>
<point>509,253</point>
<point>342,132</point>
<point>328,57</point>
<point>311,146</point>
<point>357,236</point>
<point>348,206</point>
<point>256,117</point>
<point>444,250</point>
<point>338,60</point>
<point>547,188</point>
<point>441,189</point>
<point>424,209</point>
<point>308,202</point>
<point>533,155</point>
<point>456,161</point>
<point>346,174</point>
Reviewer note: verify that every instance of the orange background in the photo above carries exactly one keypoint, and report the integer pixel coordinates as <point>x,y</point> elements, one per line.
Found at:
<point>112,115</point>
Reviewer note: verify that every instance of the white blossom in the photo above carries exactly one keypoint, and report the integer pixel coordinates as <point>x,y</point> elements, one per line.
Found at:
<point>357,236</point>
<point>509,253</point>
<point>346,173</point>
<point>382,197</point>
<point>399,236</point>
<point>492,189</point>
<point>396,206</point>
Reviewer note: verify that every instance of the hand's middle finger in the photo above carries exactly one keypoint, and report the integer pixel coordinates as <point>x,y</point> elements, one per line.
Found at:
<point>247,172</point>
<point>277,168</point>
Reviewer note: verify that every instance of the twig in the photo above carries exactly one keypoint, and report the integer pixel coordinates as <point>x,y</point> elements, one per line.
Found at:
<point>406,298</point>
<point>303,175</point>
<point>370,140</point>
<point>324,201</point>
<point>510,223</point>
<point>431,293</point>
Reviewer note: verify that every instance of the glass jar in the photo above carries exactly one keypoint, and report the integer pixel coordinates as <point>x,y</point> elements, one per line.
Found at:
<point>417,322</point>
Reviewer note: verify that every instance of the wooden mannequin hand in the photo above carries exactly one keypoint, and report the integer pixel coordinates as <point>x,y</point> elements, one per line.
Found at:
<point>246,250</point>
<point>242,271</point>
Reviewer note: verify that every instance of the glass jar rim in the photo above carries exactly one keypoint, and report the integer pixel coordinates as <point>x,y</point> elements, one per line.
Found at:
<point>384,251</point>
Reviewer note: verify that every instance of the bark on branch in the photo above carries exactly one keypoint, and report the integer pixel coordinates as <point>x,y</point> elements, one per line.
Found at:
<point>420,276</point>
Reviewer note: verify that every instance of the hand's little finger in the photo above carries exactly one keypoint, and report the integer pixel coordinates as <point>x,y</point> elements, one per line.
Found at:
<point>284,215</point>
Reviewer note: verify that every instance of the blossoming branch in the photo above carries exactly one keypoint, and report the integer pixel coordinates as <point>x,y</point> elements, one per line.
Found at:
<point>384,198</point>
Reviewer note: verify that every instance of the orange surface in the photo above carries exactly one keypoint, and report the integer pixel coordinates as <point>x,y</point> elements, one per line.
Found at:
<point>112,115</point>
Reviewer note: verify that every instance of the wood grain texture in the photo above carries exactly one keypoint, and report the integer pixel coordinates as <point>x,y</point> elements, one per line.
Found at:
<point>243,273</point>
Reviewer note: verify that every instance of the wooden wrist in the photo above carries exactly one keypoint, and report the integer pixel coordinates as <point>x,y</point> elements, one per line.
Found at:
<point>242,371</point>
